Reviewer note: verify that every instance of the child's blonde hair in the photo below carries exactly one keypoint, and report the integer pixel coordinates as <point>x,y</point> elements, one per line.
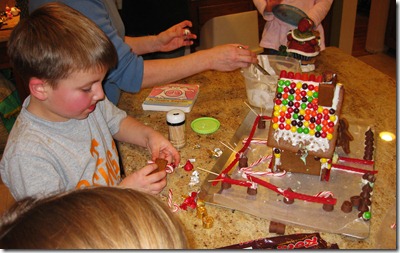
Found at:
<point>56,40</point>
<point>92,218</point>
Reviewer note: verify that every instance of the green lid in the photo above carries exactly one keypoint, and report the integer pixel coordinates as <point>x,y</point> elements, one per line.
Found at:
<point>205,125</point>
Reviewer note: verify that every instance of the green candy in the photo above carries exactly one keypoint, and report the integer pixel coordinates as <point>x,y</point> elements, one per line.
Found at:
<point>366,215</point>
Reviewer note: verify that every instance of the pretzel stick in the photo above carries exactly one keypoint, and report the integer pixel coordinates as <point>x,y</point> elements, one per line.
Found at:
<point>228,147</point>
<point>251,108</point>
<point>208,171</point>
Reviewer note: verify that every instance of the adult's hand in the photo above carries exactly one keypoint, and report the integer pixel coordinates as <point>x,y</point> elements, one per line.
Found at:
<point>230,57</point>
<point>175,37</point>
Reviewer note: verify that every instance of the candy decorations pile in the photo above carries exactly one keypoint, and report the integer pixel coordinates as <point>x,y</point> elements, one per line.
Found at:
<point>297,112</point>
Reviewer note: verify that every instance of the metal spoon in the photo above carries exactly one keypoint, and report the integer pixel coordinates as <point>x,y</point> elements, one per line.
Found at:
<point>258,66</point>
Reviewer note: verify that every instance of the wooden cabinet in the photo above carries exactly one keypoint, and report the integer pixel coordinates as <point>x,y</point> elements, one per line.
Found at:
<point>201,11</point>
<point>23,91</point>
<point>390,36</point>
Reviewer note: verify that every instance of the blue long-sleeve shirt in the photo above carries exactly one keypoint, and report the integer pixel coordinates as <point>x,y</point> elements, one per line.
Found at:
<point>128,74</point>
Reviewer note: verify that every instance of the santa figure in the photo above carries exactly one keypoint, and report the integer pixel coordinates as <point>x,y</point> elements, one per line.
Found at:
<point>303,44</point>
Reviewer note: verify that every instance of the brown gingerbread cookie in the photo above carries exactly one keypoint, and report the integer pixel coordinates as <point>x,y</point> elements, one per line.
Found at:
<point>344,136</point>
<point>161,164</point>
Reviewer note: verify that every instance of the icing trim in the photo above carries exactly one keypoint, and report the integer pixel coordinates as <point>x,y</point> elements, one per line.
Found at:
<point>336,95</point>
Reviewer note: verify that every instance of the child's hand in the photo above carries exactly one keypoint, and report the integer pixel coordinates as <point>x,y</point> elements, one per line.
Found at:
<point>135,132</point>
<point>145,180</point>
<point>271,4</point>
<point>160,147</point>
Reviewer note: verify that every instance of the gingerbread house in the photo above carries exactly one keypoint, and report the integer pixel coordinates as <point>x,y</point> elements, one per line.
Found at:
<point>304,124</point>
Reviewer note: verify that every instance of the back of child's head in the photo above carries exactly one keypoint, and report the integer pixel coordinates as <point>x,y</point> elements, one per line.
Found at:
<point>56,40</point>
<point>92,218</point>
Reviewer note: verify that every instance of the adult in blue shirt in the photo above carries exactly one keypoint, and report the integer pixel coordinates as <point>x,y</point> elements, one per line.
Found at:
<point>134,73</point>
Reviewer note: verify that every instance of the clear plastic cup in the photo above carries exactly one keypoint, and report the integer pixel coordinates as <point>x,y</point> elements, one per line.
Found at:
<point>261,88</point>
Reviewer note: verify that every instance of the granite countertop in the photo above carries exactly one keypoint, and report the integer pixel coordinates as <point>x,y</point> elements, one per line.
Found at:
<point>370,95</point>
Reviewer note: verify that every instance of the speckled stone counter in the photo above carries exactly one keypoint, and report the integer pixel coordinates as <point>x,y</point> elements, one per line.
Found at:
<point>369,94</point>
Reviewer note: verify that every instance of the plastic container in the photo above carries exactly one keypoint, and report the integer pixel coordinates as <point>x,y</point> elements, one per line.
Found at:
<point>261,88</point>
<point>176,128</point>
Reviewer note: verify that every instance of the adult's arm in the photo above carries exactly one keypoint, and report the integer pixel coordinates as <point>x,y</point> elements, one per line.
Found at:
<point>168,40</point>
<point>226,57</point>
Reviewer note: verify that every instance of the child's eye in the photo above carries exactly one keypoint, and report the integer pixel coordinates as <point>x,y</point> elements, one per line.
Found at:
<point>87,89</point>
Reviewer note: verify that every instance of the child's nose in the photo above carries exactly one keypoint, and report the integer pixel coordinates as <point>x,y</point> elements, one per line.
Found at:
<point>98,92</point>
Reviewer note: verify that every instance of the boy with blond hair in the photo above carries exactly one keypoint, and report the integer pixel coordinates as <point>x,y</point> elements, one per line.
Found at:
<point>64,136</point>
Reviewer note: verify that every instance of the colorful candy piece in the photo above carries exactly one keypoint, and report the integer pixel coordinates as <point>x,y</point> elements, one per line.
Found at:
<point>188,166</point>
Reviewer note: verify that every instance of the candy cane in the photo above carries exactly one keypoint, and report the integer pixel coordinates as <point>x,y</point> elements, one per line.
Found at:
<point>255,141</point>
<point>169,169</point>
<point>267,173</point>
<point>262,159</point>
<point>248,170</point>
<point>324,194</point>
<point>255,163</point>
<point>174,207</point>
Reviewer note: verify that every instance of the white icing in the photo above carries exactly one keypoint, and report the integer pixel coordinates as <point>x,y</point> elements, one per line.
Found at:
<point>277,162</point>
<point>312,54</point>
<point>335,99</point>
<point>324,165</point>
<point>300,38</point>
<point>310,142</point>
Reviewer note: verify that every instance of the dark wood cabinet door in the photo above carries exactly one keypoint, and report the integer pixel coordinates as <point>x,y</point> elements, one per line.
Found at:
<point>390,35</point>
<point>201,11</point>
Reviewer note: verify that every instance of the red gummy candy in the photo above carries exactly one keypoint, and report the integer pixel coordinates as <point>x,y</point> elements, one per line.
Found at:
<point>188,166</point>
<point>305,24</point>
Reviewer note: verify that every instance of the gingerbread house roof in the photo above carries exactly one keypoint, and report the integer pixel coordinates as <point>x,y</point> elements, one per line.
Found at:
<point>305,114</point>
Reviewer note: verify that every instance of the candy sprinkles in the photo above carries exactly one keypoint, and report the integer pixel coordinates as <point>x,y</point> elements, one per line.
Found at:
<point>297,114</point>
<point>305,121</point>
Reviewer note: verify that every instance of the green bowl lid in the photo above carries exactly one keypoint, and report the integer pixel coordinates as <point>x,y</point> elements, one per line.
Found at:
<point>205,125</point>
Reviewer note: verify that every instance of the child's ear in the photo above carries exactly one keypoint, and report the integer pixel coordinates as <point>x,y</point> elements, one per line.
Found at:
<point>38,88</point>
